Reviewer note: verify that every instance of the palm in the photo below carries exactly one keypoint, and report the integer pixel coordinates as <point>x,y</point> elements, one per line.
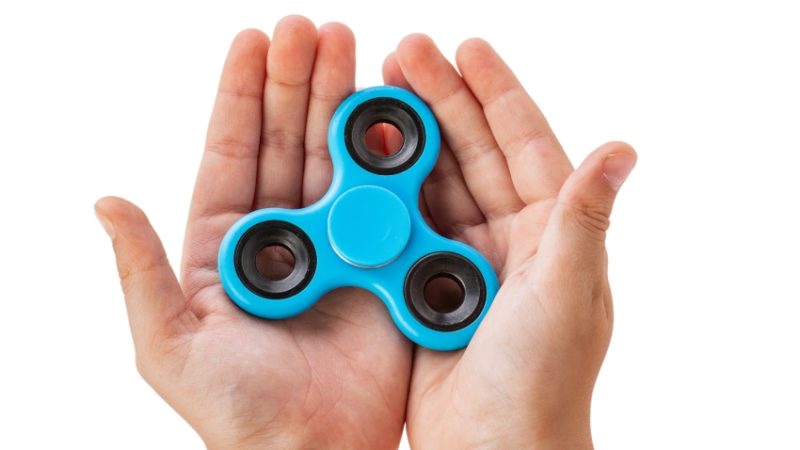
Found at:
<point>438,378</point>
<point>334,368</point>
<point>523,228</point>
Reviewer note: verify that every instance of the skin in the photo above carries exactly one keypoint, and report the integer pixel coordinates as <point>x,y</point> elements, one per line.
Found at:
<point>341,375</point>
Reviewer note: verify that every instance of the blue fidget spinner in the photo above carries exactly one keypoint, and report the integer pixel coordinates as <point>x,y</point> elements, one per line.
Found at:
<point>366,231</point>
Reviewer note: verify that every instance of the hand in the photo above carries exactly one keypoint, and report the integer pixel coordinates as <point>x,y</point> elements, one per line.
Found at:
<point>504,185</point>
<point>335,376</point>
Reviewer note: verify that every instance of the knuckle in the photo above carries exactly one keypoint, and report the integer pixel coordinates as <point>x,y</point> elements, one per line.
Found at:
<point>593,218</point>
<point>319,151</point>
<point>283,141</point>
<point>130,277</point>
<point>229,147</point>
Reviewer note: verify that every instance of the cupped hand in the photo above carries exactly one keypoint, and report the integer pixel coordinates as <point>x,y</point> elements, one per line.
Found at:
<point>335,376</point>
<point>504,185</point>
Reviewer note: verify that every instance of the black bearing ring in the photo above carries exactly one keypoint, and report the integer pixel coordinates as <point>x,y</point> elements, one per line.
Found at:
<point>454,266</point>
<point>284,234</point>
<point>384,110</point>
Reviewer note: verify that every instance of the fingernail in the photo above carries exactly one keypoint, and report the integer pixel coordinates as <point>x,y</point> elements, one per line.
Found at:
<point>617,167</point>
<point>105,223</point>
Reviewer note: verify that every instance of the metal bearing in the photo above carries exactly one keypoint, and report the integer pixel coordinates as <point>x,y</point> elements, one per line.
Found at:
<point>384,110</point>
<point>459,269</point>
<point>271,233</point>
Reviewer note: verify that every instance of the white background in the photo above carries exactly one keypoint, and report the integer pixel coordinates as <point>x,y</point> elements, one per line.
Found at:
<point>99,99</point>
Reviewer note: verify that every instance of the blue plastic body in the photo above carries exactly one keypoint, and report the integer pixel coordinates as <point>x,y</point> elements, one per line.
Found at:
<point>367,232</point>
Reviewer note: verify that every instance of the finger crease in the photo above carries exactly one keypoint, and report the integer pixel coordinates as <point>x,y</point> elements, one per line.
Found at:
<point>453,92</point>
<point>490,100</point>
<point>256,96</point>
<point>318,151</point>
<point>125,274</point>
<point>471,153</point>
<point>327,97</point>
<point>214,212</point>
<point>282,140</point>
<point>289,84</point>
<point>231,149</point>
<point>537,138</point>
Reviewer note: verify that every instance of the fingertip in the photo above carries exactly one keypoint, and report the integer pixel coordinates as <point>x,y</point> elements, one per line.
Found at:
<point>248,49</point>
<point>473,46</point>
<point>102,216</point>
<point>296,32</point>
<point>101,202</point>
<point>389,63</point>
<point>616,147</point>
<point>392,73</point>
<point>250,37</point>
<point>243,72</point>
<point>424,66</point>
<point>595,160</point>
<point>123,217</point>
<point>337,30</point>
<point>474,54</point>
<point>293,51</point>
<point>415,44</point>
<point>114,207</point>
<point>618,163</point>
<point>296,23</point>
<point>337,41</point>
<point>389,67</point>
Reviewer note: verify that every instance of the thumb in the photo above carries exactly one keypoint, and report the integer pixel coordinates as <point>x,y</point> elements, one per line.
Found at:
<point>580,219</point>
<point>153,297</point>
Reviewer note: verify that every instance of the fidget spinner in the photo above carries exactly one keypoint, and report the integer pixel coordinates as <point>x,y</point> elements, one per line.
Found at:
<point>366,231</point>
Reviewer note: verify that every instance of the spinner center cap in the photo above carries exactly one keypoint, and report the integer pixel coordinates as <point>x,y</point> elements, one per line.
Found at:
<point>369,226</point>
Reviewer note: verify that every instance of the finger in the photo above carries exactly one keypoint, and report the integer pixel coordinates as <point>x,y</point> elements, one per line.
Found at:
<point>226,180</point>
<point>289,65</point>
<point>393,74</point>
<point>332,81</point>
<point>156,305</point>
<point>537,162</point>
<point>463,125</point>
<point>580,218</point>
<point>449,201</point>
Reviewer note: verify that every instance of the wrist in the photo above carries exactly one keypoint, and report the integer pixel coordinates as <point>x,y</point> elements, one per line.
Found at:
<point>563,425</point>
<point>299,436</point>
<point>562,433</point>
<point>553,429</point>
<point>264,443</point>
<point>275,437</point>
<point>546,434</point>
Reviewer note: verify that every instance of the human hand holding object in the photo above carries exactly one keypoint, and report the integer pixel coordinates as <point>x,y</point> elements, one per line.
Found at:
<point>312,381</point>
<point>504,185</point>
